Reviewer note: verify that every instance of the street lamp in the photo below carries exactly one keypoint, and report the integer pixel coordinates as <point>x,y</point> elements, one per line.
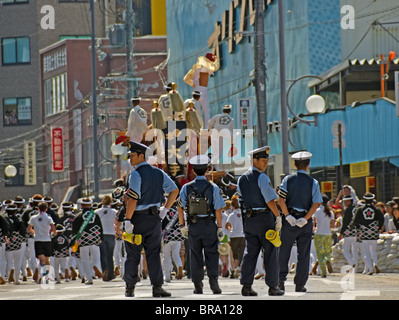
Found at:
<point>315,104</point>
<point>10,171</point>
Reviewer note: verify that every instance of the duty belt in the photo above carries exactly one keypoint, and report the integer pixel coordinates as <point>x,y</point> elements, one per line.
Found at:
<point>297,214</point>
<point>194,218</point>
<point>152,210</point>
<point>247,213</point>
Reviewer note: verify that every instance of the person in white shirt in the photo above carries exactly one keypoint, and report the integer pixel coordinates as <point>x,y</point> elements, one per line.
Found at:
<point>324,220</point>
<point>221,127</point>
<point>237,237</point>
<point>198,78</point>
<point>107,216</point>
<point>224,260</point>
<point>197,105</point>
<point>137,121</point>
<point>40,226</point>
<point>165,104</point>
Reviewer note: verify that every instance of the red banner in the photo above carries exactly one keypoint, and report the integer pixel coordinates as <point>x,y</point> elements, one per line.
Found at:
<point>58,149</point>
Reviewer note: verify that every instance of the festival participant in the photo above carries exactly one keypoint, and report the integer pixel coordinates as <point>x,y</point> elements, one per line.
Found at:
<point>40,226</point>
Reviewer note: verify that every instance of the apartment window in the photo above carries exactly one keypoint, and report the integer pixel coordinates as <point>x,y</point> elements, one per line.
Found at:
<point>15,50</point>
<point>74,37</point>
<point>55,94</point>
<point>14,1</point>
<point>17,111</point>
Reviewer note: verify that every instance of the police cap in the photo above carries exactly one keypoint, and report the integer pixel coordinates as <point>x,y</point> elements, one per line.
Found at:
<point>199,162</point>
<point>262,152</point>
<point>301,155</point>
<point>137,147</point>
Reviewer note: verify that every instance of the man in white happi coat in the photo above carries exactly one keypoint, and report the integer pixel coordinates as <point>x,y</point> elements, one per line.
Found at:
<point>137,122</point>
<point>219,122</point>
<point>198,78</point>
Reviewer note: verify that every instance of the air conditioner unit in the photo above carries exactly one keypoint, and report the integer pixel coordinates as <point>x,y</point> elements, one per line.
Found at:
<point>117,35</point>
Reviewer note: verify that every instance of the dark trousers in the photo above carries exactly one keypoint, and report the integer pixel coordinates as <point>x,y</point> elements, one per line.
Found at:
<point>303,238</point>
<point>255,230</point>
<point>202,237</point>
<point>107,254</point>
<point>149,226</point>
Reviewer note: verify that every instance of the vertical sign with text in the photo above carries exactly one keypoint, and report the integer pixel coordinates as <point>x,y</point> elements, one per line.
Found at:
<point>30,163</point>
<point>57,149</point>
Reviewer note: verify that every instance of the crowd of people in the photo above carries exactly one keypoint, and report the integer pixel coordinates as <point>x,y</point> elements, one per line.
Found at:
<point>37,239</point>
<point>41,240</point>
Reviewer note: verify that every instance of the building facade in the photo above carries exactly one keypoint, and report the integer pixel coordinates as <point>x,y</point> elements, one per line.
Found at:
<point>25,28</point>
<point>46,84</point>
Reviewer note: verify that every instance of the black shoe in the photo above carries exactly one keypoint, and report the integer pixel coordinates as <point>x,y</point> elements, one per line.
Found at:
<point>158,292</point>
<point>275,291</point>
<point>299,288</point>
<point>129,291</point>
<point>281,285</point>
<point>198,288</point>
<point>213,282</point>
<point>247,291</point>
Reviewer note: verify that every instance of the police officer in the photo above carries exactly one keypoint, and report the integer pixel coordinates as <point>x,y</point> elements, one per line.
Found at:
<point>260,214</point>
<point>202,232</point>
<point>145,195</point>
<point>299,197</point>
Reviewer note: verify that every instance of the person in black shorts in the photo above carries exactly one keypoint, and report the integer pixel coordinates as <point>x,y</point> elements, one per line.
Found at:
<point>40,226</point>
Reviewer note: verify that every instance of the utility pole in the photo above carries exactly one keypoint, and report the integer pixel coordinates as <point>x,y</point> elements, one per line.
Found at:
<point>341,172</point>
<point>94,104</point>
<point>283,94</point>
<point>129,54</point>
<point>260,74</point>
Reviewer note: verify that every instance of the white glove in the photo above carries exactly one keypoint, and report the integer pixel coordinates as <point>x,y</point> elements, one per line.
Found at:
<point>291,220</point>
<point>279,223</point>
<point>184,232</point>
<point>128,226</point>
<point>301,222</point>
<point>220,234</point>
<point>162,212</point>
